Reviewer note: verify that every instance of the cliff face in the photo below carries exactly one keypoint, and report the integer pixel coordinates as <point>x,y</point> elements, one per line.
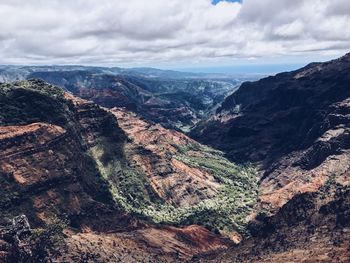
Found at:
<point>115,178</point>
<point>43,165</point>
<point>274,116</point>
<point>295,126</point>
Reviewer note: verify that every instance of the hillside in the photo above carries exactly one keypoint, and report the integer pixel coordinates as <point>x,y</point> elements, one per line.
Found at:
<point>114,178</point>
<point>311,227</point>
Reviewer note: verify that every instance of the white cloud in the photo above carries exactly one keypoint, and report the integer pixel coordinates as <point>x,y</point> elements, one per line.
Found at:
<point>155,31</point>
<point>294,29</point>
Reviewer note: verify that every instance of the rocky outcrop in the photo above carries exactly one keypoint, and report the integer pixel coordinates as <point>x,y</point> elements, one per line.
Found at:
<point>151,245</point>
<point>14,239</point>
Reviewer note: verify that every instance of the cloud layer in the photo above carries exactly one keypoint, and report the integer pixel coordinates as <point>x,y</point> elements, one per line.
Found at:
<point>155,31</point>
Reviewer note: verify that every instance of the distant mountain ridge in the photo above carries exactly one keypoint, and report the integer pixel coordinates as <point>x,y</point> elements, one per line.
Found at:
<point>173,99</point>
<point>9,73</point>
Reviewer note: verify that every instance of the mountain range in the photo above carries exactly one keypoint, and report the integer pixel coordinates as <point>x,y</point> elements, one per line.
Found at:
<point>174,99</point>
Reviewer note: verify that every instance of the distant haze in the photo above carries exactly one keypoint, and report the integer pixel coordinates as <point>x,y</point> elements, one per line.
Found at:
<point>249,69</point>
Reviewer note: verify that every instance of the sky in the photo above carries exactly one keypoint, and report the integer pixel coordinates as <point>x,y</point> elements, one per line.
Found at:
<point>173,34</point>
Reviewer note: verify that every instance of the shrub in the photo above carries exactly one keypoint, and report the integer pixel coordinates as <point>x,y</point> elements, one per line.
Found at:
<point>46,242</point>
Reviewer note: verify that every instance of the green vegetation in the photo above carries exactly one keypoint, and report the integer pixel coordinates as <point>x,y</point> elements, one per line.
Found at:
<point>45,243</point>
<point>129,188</point>
<point>32,101</point>
<point>9,192</point>
<point>226,212</point>
<point>329,183</point>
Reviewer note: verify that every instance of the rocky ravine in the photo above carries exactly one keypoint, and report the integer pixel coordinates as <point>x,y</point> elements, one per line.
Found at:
<point>130,190</point>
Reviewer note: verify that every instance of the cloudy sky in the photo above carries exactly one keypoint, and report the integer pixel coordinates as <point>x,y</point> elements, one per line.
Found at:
<point>173,33</point>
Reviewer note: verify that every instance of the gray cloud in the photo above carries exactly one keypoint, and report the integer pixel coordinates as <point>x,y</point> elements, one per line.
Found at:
<point>154,31</point>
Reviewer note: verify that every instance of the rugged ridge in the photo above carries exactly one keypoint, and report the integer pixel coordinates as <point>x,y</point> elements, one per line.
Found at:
<point>274,116</point>
<point>174,103</point>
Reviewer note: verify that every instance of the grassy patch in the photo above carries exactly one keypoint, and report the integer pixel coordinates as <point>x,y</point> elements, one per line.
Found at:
<point>129,187</point>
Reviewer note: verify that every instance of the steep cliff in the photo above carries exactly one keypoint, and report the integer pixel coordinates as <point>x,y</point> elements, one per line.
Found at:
<point>295,127</point>
<point>274,116</point>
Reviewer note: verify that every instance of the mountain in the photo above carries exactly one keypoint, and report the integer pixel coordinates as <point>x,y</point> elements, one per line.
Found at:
<point>295,127</point>
<point>119,187</point>
<point>174,99</point>
<point>9,73</point>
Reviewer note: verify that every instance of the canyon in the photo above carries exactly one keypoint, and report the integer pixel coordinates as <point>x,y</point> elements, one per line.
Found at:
<point>261,177</point>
